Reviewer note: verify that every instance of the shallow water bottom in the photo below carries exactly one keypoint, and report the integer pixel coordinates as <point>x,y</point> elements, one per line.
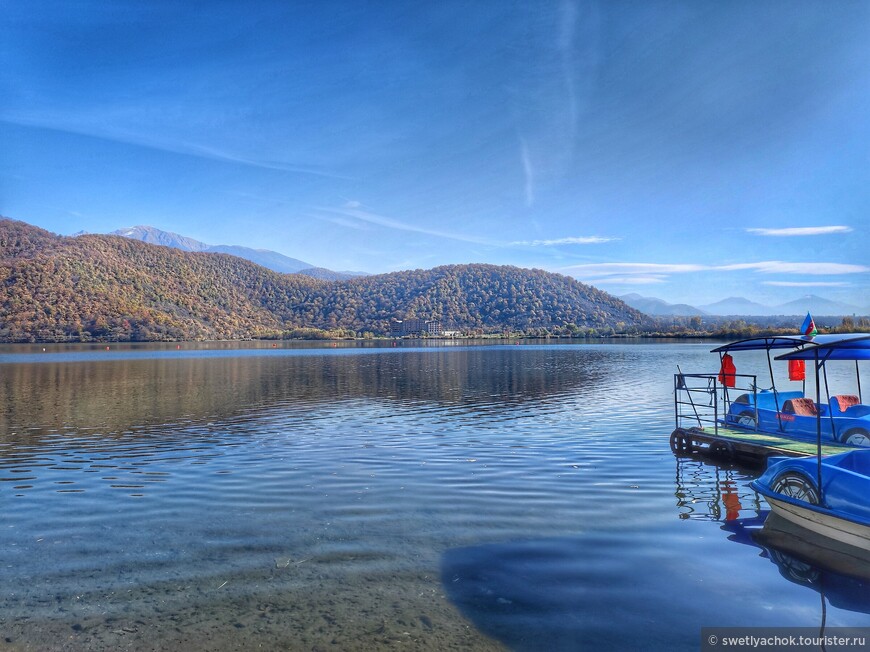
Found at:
<point>293,608</point>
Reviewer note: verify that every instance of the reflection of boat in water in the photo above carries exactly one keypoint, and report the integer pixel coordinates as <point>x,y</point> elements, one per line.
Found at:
<point>722,494</point>
<point>709,491</point>
<point>835,572</point>
<point>626,581</point>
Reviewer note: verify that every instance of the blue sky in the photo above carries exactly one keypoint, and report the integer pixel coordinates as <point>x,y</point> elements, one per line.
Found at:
<point>690,150</point>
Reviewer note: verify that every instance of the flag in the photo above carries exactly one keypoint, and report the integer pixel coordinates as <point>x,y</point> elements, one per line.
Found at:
<point>809,326</point>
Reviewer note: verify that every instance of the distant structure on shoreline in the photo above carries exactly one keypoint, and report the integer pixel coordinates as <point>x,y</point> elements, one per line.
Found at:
<point>410,327</point>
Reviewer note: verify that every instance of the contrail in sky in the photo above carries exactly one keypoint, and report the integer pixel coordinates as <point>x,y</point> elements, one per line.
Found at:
<point>173,147</point>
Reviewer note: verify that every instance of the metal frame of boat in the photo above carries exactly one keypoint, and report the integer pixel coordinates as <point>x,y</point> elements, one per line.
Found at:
<point>825,495</point>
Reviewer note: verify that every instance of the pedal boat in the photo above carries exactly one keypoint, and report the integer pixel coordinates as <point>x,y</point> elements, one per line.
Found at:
<point>828,495</point>
<point>845,419</point>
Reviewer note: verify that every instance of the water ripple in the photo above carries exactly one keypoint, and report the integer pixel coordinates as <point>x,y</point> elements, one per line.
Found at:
<point>246,486</point>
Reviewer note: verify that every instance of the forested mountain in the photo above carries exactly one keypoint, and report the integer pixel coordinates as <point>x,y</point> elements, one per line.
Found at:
<point>55,288</point>
<point>328,274</point>
<point>97,286</point>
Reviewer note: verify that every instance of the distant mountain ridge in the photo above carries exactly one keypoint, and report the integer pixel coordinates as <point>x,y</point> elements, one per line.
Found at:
<point>819,306</point>
<point>659,308</point>
<point>107,287</point>
<point>152,235</point>
<point>808,303</point>
<point>264,257</point>
<point>735,306</point>
<point>741,306</point>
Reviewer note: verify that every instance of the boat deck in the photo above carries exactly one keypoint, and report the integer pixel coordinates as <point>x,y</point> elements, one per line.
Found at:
<point>736,443</point>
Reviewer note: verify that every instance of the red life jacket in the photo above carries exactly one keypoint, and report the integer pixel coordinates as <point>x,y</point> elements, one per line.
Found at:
<point>727,371</point>
<point>796,370</point>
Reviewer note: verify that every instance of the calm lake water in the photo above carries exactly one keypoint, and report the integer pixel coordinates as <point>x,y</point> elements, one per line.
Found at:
<point>523,497</point>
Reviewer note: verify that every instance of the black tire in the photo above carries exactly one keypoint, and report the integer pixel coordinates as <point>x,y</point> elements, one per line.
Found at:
<point>856,437</point>
<point>680,443</point>
<point>796,485</point>
<point>722,449</point>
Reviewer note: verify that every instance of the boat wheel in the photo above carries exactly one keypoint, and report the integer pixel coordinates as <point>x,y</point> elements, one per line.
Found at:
<point>857,437</point>
<point>722,449</point>
<point>746,419</point>
<point>797,486</point>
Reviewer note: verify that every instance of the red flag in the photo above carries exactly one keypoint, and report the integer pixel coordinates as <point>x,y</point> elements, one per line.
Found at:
<point>727,371</point>
<point>796,370</point>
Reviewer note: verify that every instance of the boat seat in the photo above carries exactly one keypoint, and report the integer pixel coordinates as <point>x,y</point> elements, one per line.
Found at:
<point>842,402</point>
<point>770,400</point>
<point>800,406</point>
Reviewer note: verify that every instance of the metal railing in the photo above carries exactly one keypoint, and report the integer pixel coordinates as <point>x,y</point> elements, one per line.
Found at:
<point>700,400</point>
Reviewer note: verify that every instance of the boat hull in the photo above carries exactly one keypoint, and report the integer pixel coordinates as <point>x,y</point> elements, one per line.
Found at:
<point>820,522</point>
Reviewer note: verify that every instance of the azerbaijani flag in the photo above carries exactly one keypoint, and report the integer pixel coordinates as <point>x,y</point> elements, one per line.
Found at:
<point>809,326</point>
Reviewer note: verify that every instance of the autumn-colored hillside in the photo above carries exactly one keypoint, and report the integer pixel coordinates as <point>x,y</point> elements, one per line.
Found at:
<point>55,288</point>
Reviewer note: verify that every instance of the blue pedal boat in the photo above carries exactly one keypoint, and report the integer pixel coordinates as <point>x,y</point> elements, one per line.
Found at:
<point>845,419</point>
<point>828,495</point>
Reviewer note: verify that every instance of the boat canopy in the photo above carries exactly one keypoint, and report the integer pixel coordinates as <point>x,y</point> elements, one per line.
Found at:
<point>790,342</point>
<point>767,343</point>
<point>851,346</point>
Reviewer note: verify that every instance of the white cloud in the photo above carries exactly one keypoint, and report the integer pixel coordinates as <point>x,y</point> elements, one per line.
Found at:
<point>390,223</point>
<point>763,267</point>
<point>528,172</point>
<point>801,231</point>
<point>353,210</point>
<point>581,240</point>
<point>341,221</point>
<point>633,280</point>
<point>810,268</point>
<point>622,269</point>
<point>807,284</point>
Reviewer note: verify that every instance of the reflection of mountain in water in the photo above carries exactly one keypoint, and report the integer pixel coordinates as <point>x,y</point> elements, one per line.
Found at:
<point>124,396</point>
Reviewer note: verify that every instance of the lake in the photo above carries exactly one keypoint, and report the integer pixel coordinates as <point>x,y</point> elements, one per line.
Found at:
<point>341,496</point>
